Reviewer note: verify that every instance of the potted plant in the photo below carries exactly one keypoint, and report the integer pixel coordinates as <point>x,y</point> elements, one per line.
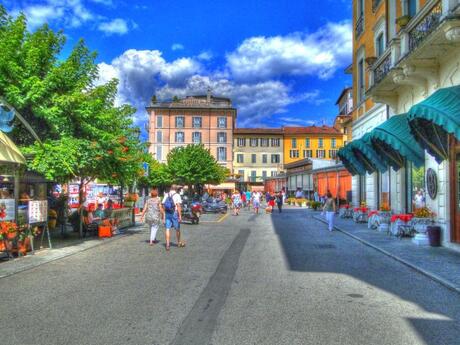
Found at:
<point>131,199</point>
<point>423,217</point>
<point>24,239</point>
<point>403,20</point>
<point>384,217</point>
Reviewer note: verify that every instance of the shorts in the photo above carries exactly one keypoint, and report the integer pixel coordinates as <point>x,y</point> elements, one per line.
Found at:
<point>237,205</point>
<point>172,221</point>
<point>256,204</point>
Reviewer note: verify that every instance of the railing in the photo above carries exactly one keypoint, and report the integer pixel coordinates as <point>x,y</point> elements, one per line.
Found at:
<point>383,66</point>
<point>359,26</point>
<point>425,26</point>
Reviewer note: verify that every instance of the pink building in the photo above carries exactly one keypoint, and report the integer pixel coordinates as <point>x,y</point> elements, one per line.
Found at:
<point>203,119</point>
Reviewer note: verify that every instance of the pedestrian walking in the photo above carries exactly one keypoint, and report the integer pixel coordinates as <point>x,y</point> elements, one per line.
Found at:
<point>152,215</point>
<point>236,201</point>
<point>248,198</point>
<point>244,201</point>
<point>270,205</point>
<point>279,201</point>
<point>256,196</point>
<point>172,218</point>
<point>329,208</point>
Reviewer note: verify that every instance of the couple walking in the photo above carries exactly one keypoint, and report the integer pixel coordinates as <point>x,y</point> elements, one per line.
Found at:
<point>167,211</point>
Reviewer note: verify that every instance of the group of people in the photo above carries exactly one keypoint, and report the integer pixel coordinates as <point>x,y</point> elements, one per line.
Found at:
<point>165,211</point>
<point>247,199</point>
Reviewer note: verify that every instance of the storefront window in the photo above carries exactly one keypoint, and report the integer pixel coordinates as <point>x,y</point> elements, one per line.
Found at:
<point>416,193</point>
<point>362,189</point>
<point>384,184</point>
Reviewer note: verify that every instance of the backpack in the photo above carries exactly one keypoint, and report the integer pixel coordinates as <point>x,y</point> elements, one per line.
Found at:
<point>169,204</point>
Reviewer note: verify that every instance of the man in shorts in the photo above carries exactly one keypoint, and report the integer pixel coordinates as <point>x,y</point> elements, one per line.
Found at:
<point>171,210</point>
<point>256,196</point>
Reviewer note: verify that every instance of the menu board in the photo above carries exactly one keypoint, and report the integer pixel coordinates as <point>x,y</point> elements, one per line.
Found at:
<point>38,211</point>
<point>7,209</point>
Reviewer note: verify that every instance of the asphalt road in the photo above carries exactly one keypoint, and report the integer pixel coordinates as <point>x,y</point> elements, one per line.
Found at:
<point>280,279</point>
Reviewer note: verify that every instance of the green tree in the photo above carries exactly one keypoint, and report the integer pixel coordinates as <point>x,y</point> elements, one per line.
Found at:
<point>193,165</point>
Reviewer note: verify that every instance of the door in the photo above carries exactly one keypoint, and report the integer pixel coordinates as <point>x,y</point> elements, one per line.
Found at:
<point>455,196</point>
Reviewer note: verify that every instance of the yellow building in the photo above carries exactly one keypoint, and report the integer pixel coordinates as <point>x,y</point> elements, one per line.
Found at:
<point>311,142</point>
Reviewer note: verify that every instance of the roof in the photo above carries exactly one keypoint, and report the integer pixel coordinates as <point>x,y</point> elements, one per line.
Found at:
<point>311,130</point>
<point>258,131</point>
<point>345,90</point>
<point>299,163</point>
<point>9,153</point>
<point>194,102</point>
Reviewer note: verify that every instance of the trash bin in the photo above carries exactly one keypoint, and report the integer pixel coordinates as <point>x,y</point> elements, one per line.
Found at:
<point>434,235</point>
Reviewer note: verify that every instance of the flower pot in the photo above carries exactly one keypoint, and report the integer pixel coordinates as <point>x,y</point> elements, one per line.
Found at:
<point>11,235</point>
<point>24,246</point>
<point>434,235</point>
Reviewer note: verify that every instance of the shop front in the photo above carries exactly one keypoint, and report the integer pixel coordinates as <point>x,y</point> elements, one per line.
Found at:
<point>335,179</point>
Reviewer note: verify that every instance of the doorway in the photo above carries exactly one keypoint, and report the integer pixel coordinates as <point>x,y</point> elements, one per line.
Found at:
<point>455,185</point>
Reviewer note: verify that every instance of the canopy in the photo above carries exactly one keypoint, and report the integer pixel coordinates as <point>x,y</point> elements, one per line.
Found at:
<point>9,153</point>
<point>366,155</point>
<point>393,141</point>
<point>434,118</point>
<point>350,162</point>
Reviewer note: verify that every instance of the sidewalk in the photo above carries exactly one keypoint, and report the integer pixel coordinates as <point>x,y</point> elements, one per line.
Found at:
<point>60,250</point>
<point>439,263</point>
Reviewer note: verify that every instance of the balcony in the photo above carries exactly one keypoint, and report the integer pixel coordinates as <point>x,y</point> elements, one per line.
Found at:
<point>359,29</point>
<point>413,56</point>
<point>375,5</point>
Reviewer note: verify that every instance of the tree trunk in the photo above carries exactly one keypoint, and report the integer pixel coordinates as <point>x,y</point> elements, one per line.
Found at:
<point>81,201</point>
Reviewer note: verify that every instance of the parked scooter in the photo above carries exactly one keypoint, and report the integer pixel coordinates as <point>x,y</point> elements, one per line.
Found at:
<point>213,205</point>
<point>191,211</point>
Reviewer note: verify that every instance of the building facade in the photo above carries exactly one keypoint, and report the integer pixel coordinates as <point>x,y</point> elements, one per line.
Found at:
<point>321,142</point>
<point>206,120</point>
<point>407,86</point>
<point>257,153</point>
<point>344,120</point>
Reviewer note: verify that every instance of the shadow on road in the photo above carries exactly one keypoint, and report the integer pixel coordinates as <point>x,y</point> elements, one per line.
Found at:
<point>308,247</point>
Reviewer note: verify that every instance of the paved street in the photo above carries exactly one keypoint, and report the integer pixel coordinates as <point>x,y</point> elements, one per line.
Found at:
<point>278,279</point>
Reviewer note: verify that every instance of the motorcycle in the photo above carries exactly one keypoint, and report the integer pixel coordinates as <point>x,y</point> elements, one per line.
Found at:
<point>212,205</point>
<point>191,212</point>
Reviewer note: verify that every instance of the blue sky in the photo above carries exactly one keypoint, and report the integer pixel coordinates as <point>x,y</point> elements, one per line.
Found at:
<point>282,62</point>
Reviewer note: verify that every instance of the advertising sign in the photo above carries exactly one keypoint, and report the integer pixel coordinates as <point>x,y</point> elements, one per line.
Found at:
<point>7,209</point>
<point>38,211</point>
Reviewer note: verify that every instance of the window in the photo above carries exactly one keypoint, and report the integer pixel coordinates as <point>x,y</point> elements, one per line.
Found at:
<point>273,173</point>
<point>332,154</point>
<point>275,142</point>
<point>180,121</point>
<point>253,158</point>
<point>275,158</point>
<point>253,175</point>
<point>241,173</point>
<point>333,143</point>
<point>307,153</point>
<point>222,122</point>
<point>361,80</point>
<point>307,142</point>
<point>159,136</point>
<point>158,153</point>
<point>320,153</point>
<point>179,137</point>
<point>241,142</point>
<point>264,142</point>
<point>221,154</point>
<point>294,143</point>
<point>160,121</point>
<point>254,142</point>
<point>264,174</point>
<point>294,154</point>
<point>196,122</point>
<point>264,158</point>
<point>379,44</point>
<point>221,137</point>
<point>320,142</point>
<point>196,137</point>
<point>360,8</point>
<point>240,158</point>
<point>412,7</point>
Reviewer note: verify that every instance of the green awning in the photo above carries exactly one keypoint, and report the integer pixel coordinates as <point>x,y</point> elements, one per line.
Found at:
<point>393,141</point>
<point>364,152</point>
<point>434,118</point>
<point>349,161</point>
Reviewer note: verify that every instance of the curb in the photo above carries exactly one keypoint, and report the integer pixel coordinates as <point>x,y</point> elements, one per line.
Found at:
<point>64,255</point>
<point>428,274</point>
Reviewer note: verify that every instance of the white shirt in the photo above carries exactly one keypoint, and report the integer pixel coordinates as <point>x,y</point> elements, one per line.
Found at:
<point>175,196</point>
<point>256,197</point>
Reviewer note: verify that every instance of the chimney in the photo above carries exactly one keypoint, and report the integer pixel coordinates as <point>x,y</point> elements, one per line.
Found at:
<point>208,95</point>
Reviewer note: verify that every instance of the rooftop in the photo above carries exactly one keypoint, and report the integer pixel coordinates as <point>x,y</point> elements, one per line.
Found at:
<point>198,101</point>
<point>258,131</point>
<point>310,130</point>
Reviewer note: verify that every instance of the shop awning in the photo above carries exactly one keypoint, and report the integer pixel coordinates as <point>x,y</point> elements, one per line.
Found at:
<point>393,141</point>
<point>349,161</point>
<point>9,153</point>
<point>364,152</point>
<point>434,118</point>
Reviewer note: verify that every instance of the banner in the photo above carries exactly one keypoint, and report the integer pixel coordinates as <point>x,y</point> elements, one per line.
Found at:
<point>7,209</point>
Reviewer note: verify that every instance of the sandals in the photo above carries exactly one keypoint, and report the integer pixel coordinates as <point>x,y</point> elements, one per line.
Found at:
<point>181,244</point>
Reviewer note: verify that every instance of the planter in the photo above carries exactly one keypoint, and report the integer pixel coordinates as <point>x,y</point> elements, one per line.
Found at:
<point>434,235</point>
<point>384,227</point>
<point>5,245</point>
<point>403,20</point>
<point>24,246</point>
<point>421,226</point>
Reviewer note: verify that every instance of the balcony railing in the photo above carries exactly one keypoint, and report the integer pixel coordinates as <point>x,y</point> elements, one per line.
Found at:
<point>425,27</point>
<point>359,26</point>
<point>382,67</point>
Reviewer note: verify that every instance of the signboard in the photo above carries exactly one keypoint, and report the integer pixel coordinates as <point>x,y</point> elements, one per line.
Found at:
<point>7,209</point>
<point>38,211</point>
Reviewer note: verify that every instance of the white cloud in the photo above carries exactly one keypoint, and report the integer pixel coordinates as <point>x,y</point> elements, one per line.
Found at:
<point>117,26</point>
<point>319,54</point>
<point>205,55</point>
<point>177,46</point>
